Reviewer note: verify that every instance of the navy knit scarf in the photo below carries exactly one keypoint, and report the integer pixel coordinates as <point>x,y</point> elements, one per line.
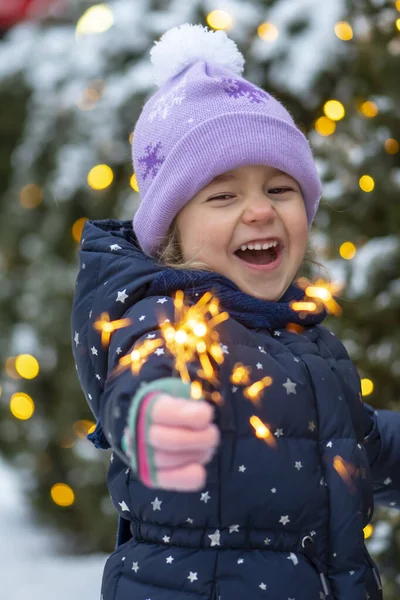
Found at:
<point>248,310</point>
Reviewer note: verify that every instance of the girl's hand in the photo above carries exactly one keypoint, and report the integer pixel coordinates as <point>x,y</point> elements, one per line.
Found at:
<point>183,439</point>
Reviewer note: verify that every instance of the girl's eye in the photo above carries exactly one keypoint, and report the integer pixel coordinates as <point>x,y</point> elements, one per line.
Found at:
<point>220,197</point>
<point>283,189</point>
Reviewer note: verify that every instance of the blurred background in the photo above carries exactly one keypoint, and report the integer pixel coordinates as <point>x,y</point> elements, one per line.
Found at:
<point>74,76</point>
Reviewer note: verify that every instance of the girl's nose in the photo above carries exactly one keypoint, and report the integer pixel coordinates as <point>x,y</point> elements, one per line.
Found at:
<point>259,209</point>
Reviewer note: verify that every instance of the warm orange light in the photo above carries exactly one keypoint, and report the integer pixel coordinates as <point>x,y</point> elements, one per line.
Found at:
<point>369,109</point>
<point>27,366</point>
<point>368,531</point>
<point>77,228</point>
<point>134,183</point>
<point>100,177</point>
<point>343,31</point>
<point>334,110</point>
<point>391,146</point>
<point>107,327</point>
<point>325,126</point>
<point>268,32</point>
<point>366,183</point>
<point>62,494</point>
<point>347,250</point>
<point>30,195</point>
<point>22,406</point>
<point>367,387</point>
<point>219,19</point>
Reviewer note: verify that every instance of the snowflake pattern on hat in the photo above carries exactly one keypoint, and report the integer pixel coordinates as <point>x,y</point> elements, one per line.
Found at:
<point>164,105</point>
<point>237,88</point>
<point>151,161</point>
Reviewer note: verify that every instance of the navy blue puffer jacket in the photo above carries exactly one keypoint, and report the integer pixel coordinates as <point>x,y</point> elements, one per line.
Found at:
<point>283,520</point>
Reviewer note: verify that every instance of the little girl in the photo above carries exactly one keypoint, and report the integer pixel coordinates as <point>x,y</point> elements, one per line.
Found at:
<point>229,190</point>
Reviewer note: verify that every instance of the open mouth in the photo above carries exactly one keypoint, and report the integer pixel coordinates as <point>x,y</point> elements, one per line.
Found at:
<point>260,257</point>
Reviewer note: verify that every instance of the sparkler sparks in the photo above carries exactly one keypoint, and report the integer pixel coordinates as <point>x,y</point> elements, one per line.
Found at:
<point>253,391</point>
<point>136,359</point>
<point>107,327</point>
<point>193,337</point>
<point>346,471</point>
<point>262,431</point>
<point>318,295</point>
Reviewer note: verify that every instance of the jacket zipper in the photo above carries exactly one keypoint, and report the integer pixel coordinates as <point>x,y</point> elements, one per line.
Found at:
<point>309,550</point>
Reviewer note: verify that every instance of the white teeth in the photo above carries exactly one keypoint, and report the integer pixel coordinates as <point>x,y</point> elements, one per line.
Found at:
<point>258,246</point>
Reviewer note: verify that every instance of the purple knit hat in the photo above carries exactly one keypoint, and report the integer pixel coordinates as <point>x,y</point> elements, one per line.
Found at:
<point>204,120</point>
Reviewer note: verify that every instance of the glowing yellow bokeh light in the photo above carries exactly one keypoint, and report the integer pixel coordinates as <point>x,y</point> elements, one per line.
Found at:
<point>134,183</point>
<point>82,427</point>
<point>398,24</point>
<point>268,32</point>
<point>366,183</point>
<point>22,406</point>
<point>27,366</point>
<point>367,387</point>
<point>369,109</point>
<point>343,31</point>
<point>10,368</point>
<point>62,494</point>
<point>30,195</point>
<point>77,228</point>
<point>219,19</point>
<point>368,530</point>
<point>391,146</point>
<point>347,250</point>
<point>96,19</point>
<point>334,110</point>
<point>325,126</point>
<point>397,4</point>
<point>100,177</point>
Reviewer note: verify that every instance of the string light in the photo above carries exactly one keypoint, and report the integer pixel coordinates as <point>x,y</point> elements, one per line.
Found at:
<point>368,531</point>
<point>107,327</point>
<point>366,183</point>
<point>325,126</point>
<point>27,366</point>
<point>343,31</point>
<point>96,19</point>
<point>268,32</point>
<point>369,109</point>
<point>347,250</point>
<point>22,406</point>
<point>133,183</point>
<point>219,19</point>
<point>391,146</point>
<point>100,177</point>
<point>62,494</point>
<point>30,195</point>
<point>367,387</point>
<point>77,228</point>
<point>334,110</point>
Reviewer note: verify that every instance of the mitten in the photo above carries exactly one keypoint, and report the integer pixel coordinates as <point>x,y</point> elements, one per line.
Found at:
<point>169,437</point>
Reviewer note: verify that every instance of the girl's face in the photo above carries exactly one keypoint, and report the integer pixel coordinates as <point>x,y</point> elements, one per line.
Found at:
<point>255,203</point>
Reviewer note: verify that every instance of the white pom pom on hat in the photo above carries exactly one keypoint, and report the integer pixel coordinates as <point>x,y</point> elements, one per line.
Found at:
<point>181,46</point>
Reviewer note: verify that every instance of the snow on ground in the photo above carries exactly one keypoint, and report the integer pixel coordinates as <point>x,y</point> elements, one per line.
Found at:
<point>28,566</point>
